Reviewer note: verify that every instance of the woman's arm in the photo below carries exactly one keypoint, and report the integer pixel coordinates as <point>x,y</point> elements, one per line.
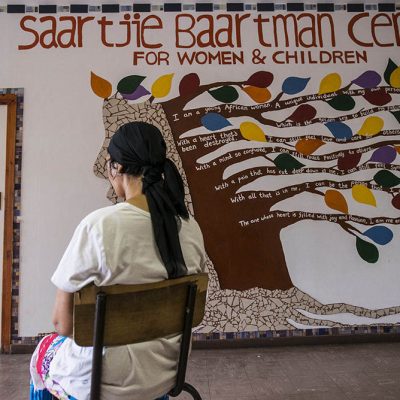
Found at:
<point>62,313</point>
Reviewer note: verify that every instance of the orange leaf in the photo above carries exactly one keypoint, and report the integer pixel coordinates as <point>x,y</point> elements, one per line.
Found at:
<point>259,95</point>
<point>335,200</point>
<point>101,87</point>
<point>397,149</point>
<point>308,146</point>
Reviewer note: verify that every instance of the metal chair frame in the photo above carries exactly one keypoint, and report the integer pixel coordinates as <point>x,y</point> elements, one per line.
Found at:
<point>99,304</point>
<point>98,334</point>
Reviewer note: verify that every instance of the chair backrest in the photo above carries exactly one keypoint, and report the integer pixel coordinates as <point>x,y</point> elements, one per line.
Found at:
<point>138,313</point>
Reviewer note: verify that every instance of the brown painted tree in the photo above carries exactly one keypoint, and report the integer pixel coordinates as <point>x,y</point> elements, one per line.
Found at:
<point>222,163</point>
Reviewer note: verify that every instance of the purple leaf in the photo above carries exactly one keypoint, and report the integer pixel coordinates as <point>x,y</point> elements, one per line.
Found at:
<point>137,94</point>
<point>384,155</point>
<point>368,80</point>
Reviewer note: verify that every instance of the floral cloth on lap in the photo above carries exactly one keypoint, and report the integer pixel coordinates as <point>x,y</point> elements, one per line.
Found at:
<point>43,386</point>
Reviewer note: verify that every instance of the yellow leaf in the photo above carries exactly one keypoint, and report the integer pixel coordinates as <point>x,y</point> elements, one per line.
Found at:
<point>100,86</point>
<point>162,86</point>
<point>395,78</point>
<point>330,83</point>
<point>259,95</point>
<point>363,195</point>
<point>251,131</point>
<point>335,200</point>
<point>308,146</point>
<point>371,126</point>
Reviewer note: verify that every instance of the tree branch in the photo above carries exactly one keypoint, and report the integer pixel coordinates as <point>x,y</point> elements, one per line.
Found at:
<point>326,139</point>
<point>276,103</point>
<point>296,216</point>
<point>185,99</point>
<point>361,113</point>
<point>335,155</point>
<point>272,170</point>
<point>287,192</point>
<point>234,110</point>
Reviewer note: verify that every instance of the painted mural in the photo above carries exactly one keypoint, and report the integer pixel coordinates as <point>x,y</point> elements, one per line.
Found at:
<point>278,148</point>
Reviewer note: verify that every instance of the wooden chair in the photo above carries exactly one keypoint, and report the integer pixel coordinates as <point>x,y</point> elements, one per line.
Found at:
<point>125,314</point>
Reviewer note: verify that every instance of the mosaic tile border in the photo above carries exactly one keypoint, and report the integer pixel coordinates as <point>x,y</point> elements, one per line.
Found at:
<point>198,7</point>
<point>294,333</point>
<point>19,92</point>
<point>345,331</point>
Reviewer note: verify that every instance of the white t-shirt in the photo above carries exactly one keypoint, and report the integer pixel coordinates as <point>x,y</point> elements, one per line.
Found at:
<point>115,245</point>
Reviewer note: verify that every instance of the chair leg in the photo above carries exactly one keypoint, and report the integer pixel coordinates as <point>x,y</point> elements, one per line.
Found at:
<point>191,390</point>
<point>98,336</point>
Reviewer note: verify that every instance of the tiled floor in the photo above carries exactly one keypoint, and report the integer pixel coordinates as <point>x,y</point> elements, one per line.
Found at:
<point>331,372</point>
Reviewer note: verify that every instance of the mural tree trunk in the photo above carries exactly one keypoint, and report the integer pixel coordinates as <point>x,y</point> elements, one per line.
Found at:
<point>218,212</point>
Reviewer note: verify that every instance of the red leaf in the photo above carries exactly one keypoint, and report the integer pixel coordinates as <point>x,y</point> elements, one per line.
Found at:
<point>303,113</point>
<point>396,201</point>
<point>260,79</point>
<point>378,97</point>
<point>189,84</point>
<point>348,161</point>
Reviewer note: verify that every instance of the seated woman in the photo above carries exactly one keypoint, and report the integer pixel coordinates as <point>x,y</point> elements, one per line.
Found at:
<point>147,238</point>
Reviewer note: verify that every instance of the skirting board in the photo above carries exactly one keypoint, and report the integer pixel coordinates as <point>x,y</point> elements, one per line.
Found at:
<point>263,342</point>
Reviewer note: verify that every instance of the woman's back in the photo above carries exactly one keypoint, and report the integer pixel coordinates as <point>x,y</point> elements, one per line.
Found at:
<point>118,242</point>
<point>147,238</point>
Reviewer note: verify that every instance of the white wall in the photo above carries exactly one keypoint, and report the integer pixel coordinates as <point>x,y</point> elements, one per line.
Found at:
<point>60,142</point>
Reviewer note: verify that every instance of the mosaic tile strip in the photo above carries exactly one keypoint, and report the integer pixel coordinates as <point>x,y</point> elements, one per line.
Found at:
<point>199,7</point>
<point>17,211</point>
<point>346,331</point>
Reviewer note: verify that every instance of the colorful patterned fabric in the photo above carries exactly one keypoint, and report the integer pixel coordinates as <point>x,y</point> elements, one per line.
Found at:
<point>46,351</point>
<point>43,387</point>
<point>43,394</point>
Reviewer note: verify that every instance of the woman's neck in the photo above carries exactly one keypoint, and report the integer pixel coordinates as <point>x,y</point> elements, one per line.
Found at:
<point>134,195</point>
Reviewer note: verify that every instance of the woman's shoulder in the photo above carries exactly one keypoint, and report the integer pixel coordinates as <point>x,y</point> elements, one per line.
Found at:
<point>99,216</point>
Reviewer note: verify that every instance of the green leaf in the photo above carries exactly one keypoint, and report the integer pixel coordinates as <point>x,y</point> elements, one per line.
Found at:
<point>342,102</point>
<point>225,94</point>
<point>391,66</point>
<point>285,162</point>
<point>396,114</point>
<point>367,251</point>
<point>129,84</point>
<point>386,179</point>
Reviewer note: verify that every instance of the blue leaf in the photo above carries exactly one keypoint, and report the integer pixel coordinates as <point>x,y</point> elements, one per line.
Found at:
<point>214,121</point>
<point>294,85</point>
<point>339,130</point>
<point>379,234</point>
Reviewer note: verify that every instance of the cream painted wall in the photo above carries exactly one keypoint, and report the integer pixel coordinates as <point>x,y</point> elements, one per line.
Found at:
<point>60,142</point>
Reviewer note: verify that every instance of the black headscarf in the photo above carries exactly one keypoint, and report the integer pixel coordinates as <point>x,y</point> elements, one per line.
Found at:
<point>141,150</point>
